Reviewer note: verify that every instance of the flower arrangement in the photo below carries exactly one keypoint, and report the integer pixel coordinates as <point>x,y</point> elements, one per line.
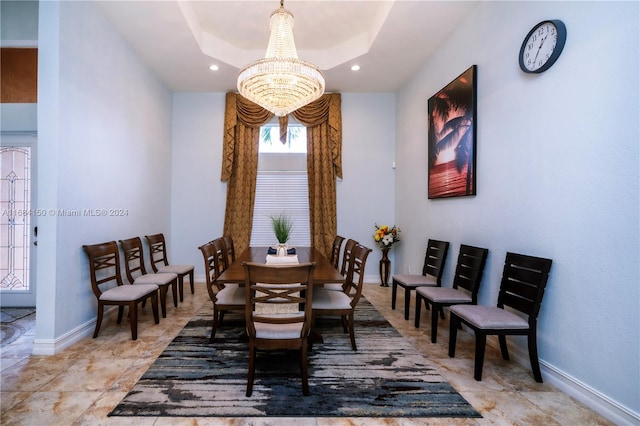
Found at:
<point>386,237</point>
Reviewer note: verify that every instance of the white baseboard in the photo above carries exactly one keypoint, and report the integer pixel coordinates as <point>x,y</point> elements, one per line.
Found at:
<point>54,346</point>
<point>576,389</point>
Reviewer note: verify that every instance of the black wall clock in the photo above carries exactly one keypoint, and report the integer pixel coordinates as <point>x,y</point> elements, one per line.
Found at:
<point>541,48</point>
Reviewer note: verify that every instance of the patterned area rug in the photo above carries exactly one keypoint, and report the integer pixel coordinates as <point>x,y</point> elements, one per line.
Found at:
<point>386,377</point>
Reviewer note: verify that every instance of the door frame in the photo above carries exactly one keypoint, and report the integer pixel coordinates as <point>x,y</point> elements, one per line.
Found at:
<point>26,298</point>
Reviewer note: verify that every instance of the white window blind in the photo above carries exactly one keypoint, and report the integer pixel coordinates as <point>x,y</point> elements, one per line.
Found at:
<point>280,192</point>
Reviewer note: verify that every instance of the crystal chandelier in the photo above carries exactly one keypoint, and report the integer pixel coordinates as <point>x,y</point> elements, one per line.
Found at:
<point>281,83</point>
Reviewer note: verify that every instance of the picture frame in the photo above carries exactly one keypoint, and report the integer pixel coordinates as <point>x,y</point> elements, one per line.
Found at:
<point>452,115</point>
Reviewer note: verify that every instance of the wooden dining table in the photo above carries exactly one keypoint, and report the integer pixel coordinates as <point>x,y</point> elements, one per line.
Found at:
<point>323,273</point>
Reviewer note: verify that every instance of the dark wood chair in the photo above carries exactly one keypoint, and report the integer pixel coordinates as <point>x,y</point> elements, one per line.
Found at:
<point>346,255</point>
<point>225,297</point>
<point>524,279</point>
<point>343,303</point>
<point>335,251</point>
<point>104,269</point>
<point>231,250</point>
<point>466,283</point>
<point>278,311</point>
<point>160,262</point>
<point>432,270</point>
<point>137,273</point>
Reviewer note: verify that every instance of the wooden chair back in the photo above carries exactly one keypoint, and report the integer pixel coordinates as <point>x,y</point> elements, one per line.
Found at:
<point>346,255</point>
<point>469,269</point>
<point>104,265</point>
<point>435,258</point>
<point>231,251</point>
<point>158,250</point>
<point>335,251</point>
<point>133,258</point>
<point>524,279</point>
<point>355,272</point>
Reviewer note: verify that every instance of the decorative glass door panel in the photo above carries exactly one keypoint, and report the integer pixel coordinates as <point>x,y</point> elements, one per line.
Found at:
<point>15,219</point>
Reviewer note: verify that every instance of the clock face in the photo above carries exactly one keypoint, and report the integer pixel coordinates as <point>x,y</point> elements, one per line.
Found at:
<point>542,46</point>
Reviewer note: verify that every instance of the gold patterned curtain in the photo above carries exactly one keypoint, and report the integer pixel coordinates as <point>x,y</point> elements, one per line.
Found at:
<point>323,119</point>
<point>242,122</point>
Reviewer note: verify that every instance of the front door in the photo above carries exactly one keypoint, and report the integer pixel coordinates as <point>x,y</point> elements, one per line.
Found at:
<point>18,217</point>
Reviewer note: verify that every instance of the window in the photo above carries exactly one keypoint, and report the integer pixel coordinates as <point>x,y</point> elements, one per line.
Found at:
<point>281,185</point>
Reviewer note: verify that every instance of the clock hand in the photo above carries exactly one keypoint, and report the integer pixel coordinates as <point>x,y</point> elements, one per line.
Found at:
<point>540,48</point>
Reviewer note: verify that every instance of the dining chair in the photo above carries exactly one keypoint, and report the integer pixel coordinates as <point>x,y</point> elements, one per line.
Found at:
<point>231,251</point>
<point>137,273</point>
<point>274,288</point>
<point>104,269</point>
<point>466,283</point>
<point>225,297</point>
<point>335,251</point>
<point>343,303</point>
<point>524,279</point>
<point>432,270</point>
<point>160,262</point>
<point>343,270</point>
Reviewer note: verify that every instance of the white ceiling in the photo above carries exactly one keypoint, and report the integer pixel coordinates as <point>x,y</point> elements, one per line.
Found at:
<point>180,39</point>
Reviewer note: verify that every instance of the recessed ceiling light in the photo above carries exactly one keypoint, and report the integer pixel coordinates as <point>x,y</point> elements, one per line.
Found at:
<point>214,68</point>
<point>355,67</point>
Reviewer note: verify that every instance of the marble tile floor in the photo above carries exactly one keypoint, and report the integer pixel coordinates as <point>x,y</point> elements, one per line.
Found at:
<point>82,384</point>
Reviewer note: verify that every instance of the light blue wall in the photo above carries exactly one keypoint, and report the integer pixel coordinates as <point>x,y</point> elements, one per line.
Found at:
<point>557,177</point>
<point>104,142</point>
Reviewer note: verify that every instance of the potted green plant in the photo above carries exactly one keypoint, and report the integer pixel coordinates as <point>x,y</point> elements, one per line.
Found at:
<point>282,227</point>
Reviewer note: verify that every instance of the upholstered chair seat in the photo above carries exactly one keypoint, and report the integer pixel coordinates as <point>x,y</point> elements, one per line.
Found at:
<point>124,293</point>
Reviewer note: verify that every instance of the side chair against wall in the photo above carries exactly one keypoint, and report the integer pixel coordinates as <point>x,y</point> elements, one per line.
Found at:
<point>524,279</point>
<point>288,285</point>
<point>160,262</point>
<point>432,270</point>
<point>466,283</point>
<point>137,273</point>
<point>343,303</point>
<point>104,268</point>
<point>231,250</point>
<point>225,297</point>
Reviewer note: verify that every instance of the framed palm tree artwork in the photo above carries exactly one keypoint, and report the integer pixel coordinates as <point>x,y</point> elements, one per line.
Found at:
<point>452,138</point>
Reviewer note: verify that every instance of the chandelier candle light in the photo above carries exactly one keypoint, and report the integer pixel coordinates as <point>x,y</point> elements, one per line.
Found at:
<point>386,237</point>
<point>281,83</point>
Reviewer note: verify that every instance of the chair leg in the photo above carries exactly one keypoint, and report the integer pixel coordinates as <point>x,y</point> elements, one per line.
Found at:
<point>434,322</point>
<point>99,320</point>
<point>418,309</point>
<point>442,312</point>
<point>163,300</point>
<point>252,360</point>
<point>120,314</point>
<point>502,339</point>
<point>215,324</point>
<point>174,292</point>
<point>352,334</point>
<point>181,287</point>
<point>344,324</point>
<point>407,301</point>
<point>303,368</point>
<point>481,342</point>
<point>133,319</point>
<point>533,357</point>
<point>154,307</point>
<point>454,322</point>
<point>394,291</point>
<point>191,281</point>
